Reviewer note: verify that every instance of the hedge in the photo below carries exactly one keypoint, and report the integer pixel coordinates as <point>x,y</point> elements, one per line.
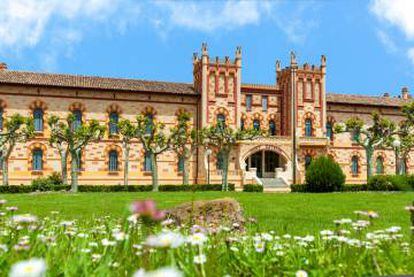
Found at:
<point>253,188</point>
<point>348,187</point>
<point>109,188</point>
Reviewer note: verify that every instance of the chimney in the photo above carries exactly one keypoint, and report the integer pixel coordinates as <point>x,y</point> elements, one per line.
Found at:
<point>386,95</point>
<point>3,66</point>
<point>405,94</point>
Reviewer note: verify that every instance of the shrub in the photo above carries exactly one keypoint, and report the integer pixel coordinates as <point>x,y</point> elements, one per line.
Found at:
<point>324,175</point>
<point>391,183</point>
<point>298,188</point>
<point>355,187</point>
<point>195,187</point>
<point>253,188</point>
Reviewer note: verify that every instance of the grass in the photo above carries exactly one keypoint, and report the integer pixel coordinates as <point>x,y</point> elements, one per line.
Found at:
<point>284,213</point>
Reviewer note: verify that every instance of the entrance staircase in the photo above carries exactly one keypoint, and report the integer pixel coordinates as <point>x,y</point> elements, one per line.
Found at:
<point>274,185</point>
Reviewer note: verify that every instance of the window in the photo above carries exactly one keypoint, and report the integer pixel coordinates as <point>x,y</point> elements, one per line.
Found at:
<point>256,124</point>
<point>1,160</point>
<point>379,164</point>
<point>308,127</point>
<point>308,160</point>
<point>272,128</point>
<point>77,122</point>
<point>220,161</point>
<point>329,132</point>
<point>242,124</point>
<point>355,165</point>
<point>264,103</point>
<point>308,90</point>
<point>355,136</point>
<point>150,123</point>
<point>113,123</point>
<point>248,103</point>
<point>113,160</point>
<point>221,120</point>
<point>38,120</point>
<point>1,119</point>
<point>147,162</point>
<point>181,164</point>
<point>37,159</point>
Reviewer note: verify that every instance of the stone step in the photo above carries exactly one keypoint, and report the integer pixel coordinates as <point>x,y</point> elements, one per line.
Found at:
<point>276,190</point>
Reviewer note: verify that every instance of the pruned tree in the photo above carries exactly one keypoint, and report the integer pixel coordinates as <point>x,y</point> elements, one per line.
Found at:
<point>368,137</point>
<point>127,131</point>
<point>402,142</point>
<point>184,142</point>
<point>58,139</point>
<point>74,139</point>
<point>152,136</point>
<point>16,129</point>
<point>223,138</point>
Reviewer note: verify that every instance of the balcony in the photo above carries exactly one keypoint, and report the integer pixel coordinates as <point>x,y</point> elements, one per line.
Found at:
<point>313,141</point>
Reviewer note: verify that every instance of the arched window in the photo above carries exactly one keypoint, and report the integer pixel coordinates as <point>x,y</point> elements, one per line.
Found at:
<point>256,124</point>
<point>1,118</point>
<point>113,123</point>
<point>181,164</point>
<point>272,128</point>
<point>220,161</point>
<point>329,132</point>
<point>150,123</point>
<point>147,162</point>
<point>38,119</point>
<point>77,122</point>
<point>242,124</point>
<point>113,160</point>
<point>308,127</point>
<point>37,159</point>
<point>221,120</point>
<point>308,161</point>
<point>379,165</point>
<point>403,166</point>
<point>355,165</point>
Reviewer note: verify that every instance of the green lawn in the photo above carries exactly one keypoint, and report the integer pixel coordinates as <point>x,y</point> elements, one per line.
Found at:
<point>293,213</point>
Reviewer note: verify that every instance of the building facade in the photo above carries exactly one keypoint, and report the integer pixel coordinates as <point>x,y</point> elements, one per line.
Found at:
<point>296,111</point>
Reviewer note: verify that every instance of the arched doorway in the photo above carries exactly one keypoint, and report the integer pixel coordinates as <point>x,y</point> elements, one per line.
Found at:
<point>266,162</point>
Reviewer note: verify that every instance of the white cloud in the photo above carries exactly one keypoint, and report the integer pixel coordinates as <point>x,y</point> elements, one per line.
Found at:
<point>396,12</point>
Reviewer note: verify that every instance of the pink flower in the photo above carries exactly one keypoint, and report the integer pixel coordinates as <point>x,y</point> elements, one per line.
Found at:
<point>147,210</point>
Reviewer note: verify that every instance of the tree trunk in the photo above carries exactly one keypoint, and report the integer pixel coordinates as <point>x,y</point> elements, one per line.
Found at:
<point>369,153</point>
<point>126,163</point>
<point>154,172</point>
<point>64,166</point>
<point>5,171</point>
<point>397,163</point>
<point>225,185</point>
<point>74,171</point>
<point>186,170</point>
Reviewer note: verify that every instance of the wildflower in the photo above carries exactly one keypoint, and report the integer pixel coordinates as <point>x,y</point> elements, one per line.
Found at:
<point>12,209</point>
<point>93,244</point>
<point>259,246</point>
<point>287,236</point>
<point>197,239</point>
<point>200,259</point>
<point>167,222</point>
<point>106,242</point>
<point>301,273</point>
<point>326,233</point>
<point>394,229</point>
<point>96,257</point>
<point>133,218</point>
<point>85,250</point>
<point>67,223</point>
<point>3,201</point>
<point>164,272</point>
<point>280,253</point>
<point>343,221</point>
<point>119,236</point>
<point>267,236</point>
<point>147,209</point>
<point>372,214</point>
<point>410,208</point>
<point>234,249</point>
<point>165,240</point>
<point>29,268</point>
<point>24,219</point>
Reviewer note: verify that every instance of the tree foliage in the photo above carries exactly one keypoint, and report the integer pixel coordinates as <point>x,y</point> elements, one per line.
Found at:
<point>69,139</point>
<point>154,140</point>
<point>16,129</point>
<point>223,138</point>
<point>324,175</point>
<point>369,137</point>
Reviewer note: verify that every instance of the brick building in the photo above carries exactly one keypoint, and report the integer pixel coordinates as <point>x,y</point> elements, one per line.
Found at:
<point>296,111</point>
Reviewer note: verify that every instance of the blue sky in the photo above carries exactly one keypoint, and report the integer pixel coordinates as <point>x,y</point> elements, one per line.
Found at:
<point>369,44</point>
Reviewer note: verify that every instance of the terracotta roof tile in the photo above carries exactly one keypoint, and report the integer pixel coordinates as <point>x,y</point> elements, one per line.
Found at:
<point>365,100</point>
<point>90,82</point>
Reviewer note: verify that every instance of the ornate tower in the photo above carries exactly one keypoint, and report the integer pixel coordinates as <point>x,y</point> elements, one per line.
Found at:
<point>219,82</point>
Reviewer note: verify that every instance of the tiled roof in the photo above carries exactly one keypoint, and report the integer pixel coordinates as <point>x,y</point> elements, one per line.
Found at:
<point>366,100</point>
<point>90,82</point>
